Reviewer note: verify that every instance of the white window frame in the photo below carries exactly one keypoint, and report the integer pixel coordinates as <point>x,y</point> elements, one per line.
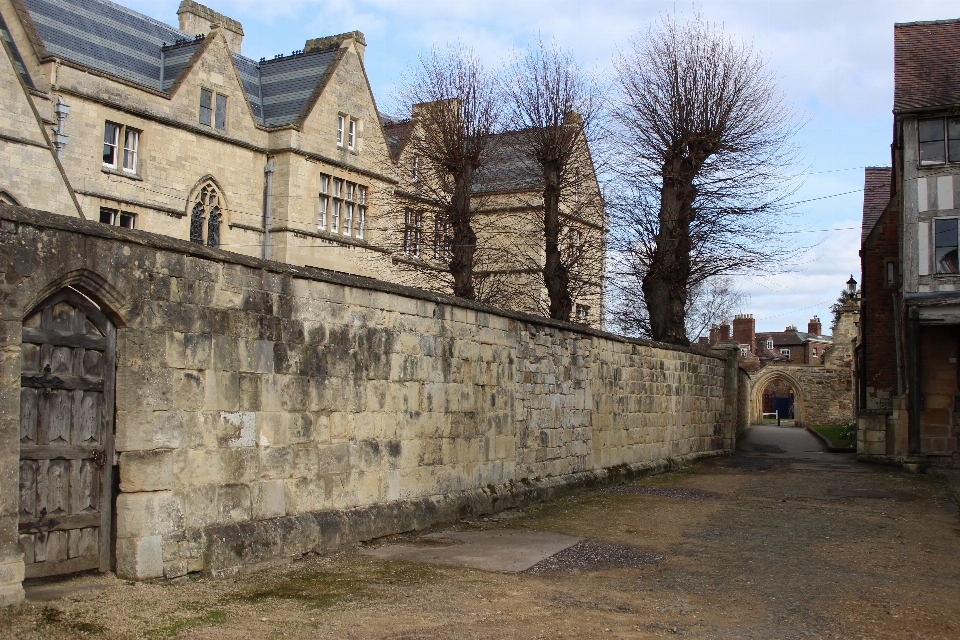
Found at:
<point>785,352</point>
<point>361,221</point>
<point>335,217</point>
<point>115,145</point>
<point>348,219</point>
<point>814,352</point>
<point>130,153</point>
<point>340,123</point>
<point>412,232</point>
<point>352,135</point>
<point>743,352</point>
<point>769,344</point>
<point>117,218</point>
<point>323,206</point>
<point>416,168</point>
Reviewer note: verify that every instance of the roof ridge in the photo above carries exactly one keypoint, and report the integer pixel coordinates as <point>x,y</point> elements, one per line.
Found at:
<point>926,22</point>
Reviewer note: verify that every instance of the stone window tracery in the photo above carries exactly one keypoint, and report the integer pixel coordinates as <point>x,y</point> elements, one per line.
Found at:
<point>206,211</point>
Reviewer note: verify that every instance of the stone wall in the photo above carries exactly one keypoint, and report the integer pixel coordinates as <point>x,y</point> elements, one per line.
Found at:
<point>823,394</point>
<point>265,410</point>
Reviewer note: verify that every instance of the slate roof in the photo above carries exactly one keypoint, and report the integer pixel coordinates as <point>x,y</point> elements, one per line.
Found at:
<point>506,168</point>
<point>788,338</point>
<point>17,60</point>
<point>876,196</point>
<point>108,37</point>
<point>926,64</point>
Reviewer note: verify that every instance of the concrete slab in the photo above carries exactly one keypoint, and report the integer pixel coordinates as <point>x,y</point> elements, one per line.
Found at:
<point>505,551</point>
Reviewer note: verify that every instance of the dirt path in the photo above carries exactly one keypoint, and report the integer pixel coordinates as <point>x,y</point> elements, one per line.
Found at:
<point>759,545</point>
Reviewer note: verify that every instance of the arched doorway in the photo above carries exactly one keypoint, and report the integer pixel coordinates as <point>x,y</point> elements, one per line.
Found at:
<point>773,389</point>
<point>778,398</point>
<point>68,350</point>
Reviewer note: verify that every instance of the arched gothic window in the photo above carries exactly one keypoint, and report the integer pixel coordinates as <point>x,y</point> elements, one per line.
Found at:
<point>206,208</point>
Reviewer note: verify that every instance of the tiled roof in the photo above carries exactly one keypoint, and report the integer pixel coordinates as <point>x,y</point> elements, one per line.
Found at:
<point>111,38</point>
<point>17,60</point>
<point>926,64</point>
<point>876,196</point>
<point>395,131</point>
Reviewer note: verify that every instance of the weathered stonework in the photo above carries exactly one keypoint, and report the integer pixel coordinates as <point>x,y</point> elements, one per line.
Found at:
<point>265,410</point>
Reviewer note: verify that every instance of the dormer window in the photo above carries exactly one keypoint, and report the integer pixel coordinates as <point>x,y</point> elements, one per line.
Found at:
<point>769,344</point>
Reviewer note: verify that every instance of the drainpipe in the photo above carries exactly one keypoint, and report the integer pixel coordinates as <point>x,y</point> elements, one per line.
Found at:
<point>267,207</point>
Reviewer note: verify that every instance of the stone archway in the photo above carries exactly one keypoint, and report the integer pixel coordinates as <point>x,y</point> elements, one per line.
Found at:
<point>766,377</point>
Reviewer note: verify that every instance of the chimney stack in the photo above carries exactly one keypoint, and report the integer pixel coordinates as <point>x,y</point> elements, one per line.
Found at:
<point>714,334</point>
<point>703,341</point>
<point>724,330</point>
<point>791,327</point>
<point>814,326</point>
<point>745,329</point>
<point>196,19</point>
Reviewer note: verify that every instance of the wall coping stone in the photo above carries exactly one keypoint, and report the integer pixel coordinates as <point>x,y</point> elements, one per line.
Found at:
<point>47,220</point>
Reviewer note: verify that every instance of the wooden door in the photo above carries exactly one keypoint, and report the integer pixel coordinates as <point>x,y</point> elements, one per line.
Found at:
<point>66,436</point>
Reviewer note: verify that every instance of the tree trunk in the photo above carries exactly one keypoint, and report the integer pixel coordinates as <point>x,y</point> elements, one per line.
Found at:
<point>665,285</point>
<point>463,240</point>
<point>556,275</point>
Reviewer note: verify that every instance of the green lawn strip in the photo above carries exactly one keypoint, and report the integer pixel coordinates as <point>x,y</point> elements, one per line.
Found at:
<point>172,626</point>
<point>321,589</point>
<point>835,436</point>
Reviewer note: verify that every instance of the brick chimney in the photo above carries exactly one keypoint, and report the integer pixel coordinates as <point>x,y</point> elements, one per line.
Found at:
<point>791,327</point>
<point>196,19</point>
<point>745,329</point>
<point>714,334</point>
<point>814,326</point>
<point>703,341</point>
<point>724,330</point>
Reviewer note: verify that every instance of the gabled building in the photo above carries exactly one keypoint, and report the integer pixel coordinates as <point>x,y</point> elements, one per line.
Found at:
<point>908,402</point>
<point>507,198</point>
<point>175,131</point>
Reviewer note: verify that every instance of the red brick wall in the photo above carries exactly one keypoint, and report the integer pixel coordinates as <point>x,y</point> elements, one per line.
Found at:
<point>876,316</point>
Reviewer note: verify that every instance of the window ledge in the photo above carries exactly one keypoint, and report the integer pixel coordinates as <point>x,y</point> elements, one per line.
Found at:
<point>122,174</point>
<point>245,227</point>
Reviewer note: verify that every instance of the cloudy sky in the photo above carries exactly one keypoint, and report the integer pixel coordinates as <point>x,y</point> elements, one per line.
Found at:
<point>834,59</point>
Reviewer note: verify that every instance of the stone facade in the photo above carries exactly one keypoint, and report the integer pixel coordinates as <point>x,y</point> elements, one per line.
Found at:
<point>265,410</point>
<point>287,139</point>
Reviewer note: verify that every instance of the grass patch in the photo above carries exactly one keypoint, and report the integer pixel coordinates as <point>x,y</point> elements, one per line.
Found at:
<point>836,435</point>
<point>173,626</point>
<point>321,589</point>
<point>56,617</point>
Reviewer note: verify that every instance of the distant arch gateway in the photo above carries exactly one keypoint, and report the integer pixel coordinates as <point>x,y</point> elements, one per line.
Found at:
<point>783,391</point>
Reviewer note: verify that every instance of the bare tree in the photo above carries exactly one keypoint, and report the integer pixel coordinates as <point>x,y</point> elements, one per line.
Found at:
<point>702,140</point>
<point>709,302</point>
<point>455,108</point>
<point>552,105</point>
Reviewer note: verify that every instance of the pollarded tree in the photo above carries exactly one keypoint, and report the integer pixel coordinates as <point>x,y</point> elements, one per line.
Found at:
<point>455,107</point>
<point>702,141</point>
<point>552,107</point>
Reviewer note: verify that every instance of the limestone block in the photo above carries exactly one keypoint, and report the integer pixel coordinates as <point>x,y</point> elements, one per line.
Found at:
<point>146,470</point>
<point>222,390</point>
<point>276,462</point>
<point>268,499</point>
<point>147,388</point>
<point>233,503</point>
<point>197,349</point>
<point>153,513</point>
<point>334,459</point>
<point>146,430</point>
<point>188,389</point>
<point>11,577</point>
<point>140,558</point>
